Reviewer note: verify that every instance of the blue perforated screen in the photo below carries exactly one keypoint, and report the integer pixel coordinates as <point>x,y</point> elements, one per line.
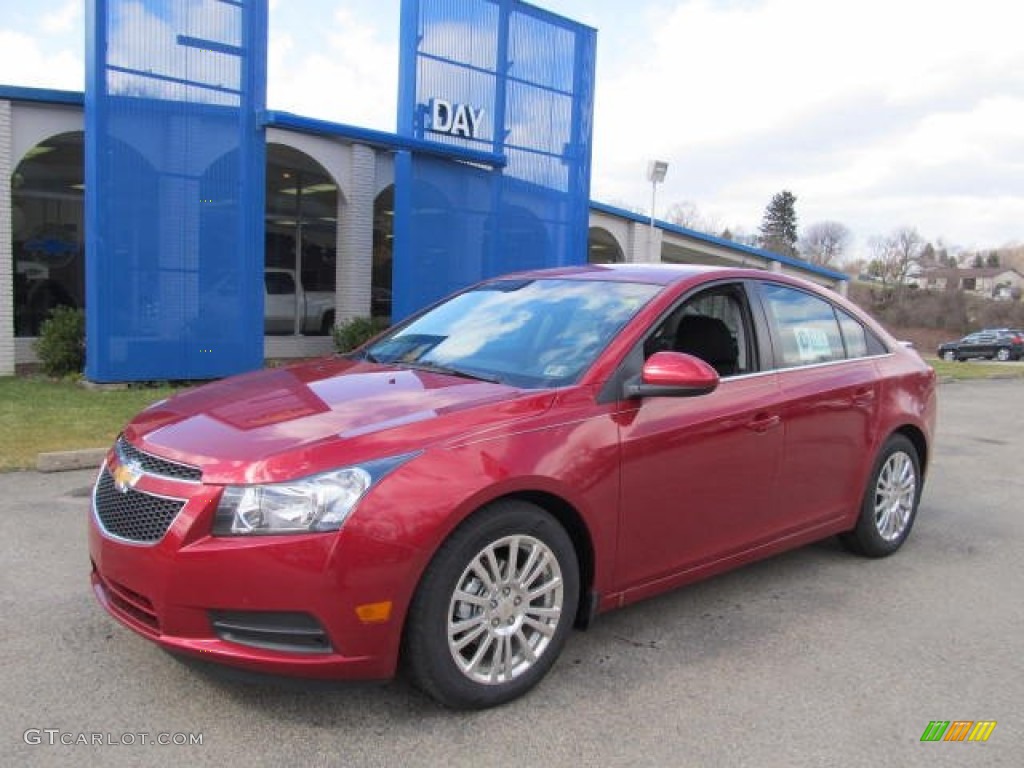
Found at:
<point>174,188</point>
<point>499,76</point>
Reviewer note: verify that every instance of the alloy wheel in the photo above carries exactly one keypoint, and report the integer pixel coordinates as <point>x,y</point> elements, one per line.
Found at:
<point>505,609</point>
<point>895,494</point>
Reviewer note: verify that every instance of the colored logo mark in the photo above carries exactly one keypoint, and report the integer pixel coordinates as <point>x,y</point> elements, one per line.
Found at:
<point>958,730</point>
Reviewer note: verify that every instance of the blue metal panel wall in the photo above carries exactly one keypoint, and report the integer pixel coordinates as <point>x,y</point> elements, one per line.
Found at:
<point>532,74</point>
<point>174,188</point>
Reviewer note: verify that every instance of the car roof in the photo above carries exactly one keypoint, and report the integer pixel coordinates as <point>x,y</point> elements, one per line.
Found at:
<point>656,274</point>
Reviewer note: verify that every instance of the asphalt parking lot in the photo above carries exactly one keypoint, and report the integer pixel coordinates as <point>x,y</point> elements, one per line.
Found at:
<point>813,658</point>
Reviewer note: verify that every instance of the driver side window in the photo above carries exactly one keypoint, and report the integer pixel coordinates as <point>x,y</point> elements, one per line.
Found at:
<point>715,326</point>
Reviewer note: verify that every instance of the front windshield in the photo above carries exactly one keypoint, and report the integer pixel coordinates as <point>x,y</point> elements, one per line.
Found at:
<point>527,333</point>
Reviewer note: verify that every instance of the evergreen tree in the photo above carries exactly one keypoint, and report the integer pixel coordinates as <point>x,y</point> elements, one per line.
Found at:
<point>778,227</point>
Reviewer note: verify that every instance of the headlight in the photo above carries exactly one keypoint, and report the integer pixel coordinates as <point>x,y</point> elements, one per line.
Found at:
<point>317,503</point>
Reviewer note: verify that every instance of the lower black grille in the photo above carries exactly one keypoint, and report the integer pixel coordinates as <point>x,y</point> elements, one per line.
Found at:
<point>133,515</point>
<point>290,632</point>
<point>128,601</point>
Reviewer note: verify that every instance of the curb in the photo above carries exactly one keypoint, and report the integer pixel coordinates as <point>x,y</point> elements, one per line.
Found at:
<point>63,461</point>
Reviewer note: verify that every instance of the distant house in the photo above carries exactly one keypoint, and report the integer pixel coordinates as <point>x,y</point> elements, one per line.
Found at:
<point>994,282</point>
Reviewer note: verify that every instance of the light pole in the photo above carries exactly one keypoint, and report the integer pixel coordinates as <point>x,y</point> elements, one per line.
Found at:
<point>656,170</point>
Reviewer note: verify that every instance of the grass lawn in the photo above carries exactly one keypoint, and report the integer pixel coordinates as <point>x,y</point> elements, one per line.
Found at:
<point>974,369</point>
<point>38,415</point>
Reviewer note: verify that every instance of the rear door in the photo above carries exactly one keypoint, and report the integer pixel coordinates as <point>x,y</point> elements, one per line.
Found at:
<point>829,404</point>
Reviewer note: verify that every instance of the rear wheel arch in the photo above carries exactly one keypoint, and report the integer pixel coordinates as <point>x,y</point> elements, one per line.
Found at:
<point>918,440</point>
<point>891,498</point>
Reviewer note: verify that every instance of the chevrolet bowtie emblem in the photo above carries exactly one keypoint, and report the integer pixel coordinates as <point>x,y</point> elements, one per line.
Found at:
<point>126,475</point>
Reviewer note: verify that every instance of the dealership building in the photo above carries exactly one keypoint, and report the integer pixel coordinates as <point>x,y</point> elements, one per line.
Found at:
<point>203,233</point>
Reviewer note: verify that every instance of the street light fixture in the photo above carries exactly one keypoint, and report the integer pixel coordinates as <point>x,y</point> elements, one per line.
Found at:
<point>656,170</point>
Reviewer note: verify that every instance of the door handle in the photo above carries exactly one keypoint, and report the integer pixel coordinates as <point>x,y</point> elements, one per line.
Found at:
<point>864,396</point>
<point>763,422</point>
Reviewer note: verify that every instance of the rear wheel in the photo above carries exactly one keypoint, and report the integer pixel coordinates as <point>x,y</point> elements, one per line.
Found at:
<point>949,355</point>
<point>1003,354</point>
<point>494,607</point>
<point>890,501</point>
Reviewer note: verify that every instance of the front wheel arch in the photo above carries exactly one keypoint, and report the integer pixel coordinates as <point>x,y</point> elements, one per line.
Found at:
<point>571,520</point>
<point>568,516</point>
<point>439,663</point>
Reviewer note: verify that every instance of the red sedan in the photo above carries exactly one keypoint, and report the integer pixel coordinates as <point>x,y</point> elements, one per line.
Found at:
<point>529,453</point>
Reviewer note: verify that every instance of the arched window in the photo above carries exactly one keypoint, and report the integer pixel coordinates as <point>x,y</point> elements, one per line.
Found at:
<point>48,230</point>
<point>602,247</point>
<point>301,243</point>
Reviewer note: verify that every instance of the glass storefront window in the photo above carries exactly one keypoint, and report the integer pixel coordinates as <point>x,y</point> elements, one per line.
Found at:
<point>383,248</point>
<point>301,232</point>
<point>48,231</point>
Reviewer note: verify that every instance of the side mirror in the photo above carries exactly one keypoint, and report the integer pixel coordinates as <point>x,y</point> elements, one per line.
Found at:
<point>673,374</point>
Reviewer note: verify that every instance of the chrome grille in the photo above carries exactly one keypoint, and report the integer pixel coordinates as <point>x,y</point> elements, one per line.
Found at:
<point>132,515</point>
<point>154,465</point>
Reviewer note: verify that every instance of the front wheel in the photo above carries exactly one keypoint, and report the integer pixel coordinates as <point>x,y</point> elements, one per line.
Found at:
<point>494,607</point>
<point>1003,355</point>
<point>949,356</point>
<point>890,501</point>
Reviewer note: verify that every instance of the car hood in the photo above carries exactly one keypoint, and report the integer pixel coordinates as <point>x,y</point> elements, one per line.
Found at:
<point>285,423</point>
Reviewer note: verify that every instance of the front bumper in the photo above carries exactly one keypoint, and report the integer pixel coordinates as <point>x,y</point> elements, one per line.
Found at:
<point>177,591</point>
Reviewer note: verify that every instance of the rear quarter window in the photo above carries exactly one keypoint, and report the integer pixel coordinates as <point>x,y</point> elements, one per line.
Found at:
<point>805,326</point>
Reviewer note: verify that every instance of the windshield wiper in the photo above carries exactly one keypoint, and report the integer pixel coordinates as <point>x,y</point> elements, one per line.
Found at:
<point>425,365</point>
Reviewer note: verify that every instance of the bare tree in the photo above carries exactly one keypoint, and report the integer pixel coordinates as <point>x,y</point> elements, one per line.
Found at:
<point>825,243</point>
<point>892,260</point>
<point>687,214</point>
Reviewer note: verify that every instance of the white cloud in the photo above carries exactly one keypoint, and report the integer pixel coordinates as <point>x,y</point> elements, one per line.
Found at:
<point>344,71</point>
<point>24,62</point>
<point>67,18</point>
<point>859,108</point>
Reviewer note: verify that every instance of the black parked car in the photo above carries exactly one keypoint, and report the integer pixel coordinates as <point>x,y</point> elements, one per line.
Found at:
<point>999,343</point>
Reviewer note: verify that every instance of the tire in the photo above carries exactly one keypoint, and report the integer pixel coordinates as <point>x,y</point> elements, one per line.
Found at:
<point>479,635</point>
<point>949,356</point>
<point>890,502</point>
<point>1003,355</point>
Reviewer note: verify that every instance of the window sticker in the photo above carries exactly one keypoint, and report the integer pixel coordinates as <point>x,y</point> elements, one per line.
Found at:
<point>812,344</point>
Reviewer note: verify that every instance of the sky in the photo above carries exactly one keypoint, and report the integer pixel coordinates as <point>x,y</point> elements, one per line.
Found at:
<point>879,114</point>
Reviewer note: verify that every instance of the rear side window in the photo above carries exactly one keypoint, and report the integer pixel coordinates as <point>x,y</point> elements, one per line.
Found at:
<point>860,341</point>
<point>854,335</point>
<point>805,327</point>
